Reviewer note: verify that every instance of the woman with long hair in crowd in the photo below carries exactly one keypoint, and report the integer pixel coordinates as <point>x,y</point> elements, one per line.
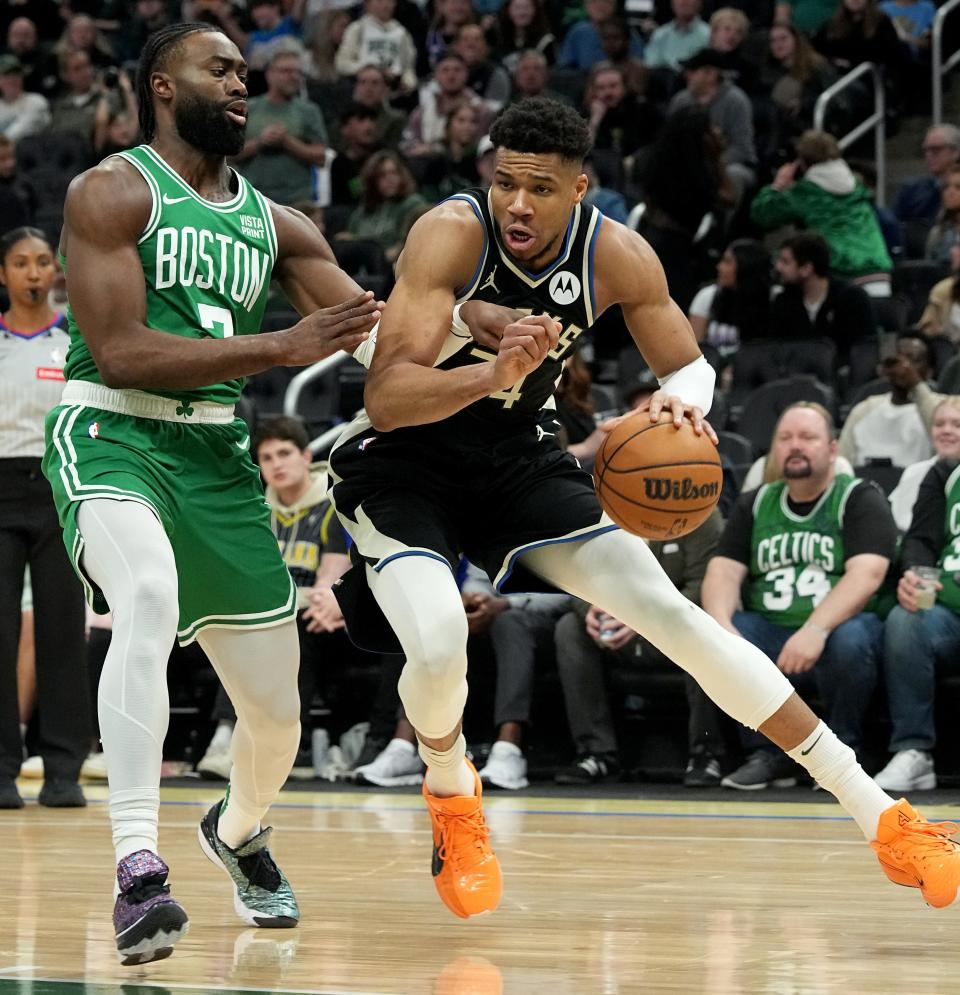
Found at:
<point>459,149</point>
<point>682,180</point>
<point>736,308</point>
<point>388,195</point>
<point>33,347</point>
<point>522,26</point>
<point>945,233</point>
<point>859,32</point>
<point>449,16</point>
<point>794,75</point>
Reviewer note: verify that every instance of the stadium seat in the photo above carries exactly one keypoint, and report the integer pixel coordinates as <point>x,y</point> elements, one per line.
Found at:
<point>949,382</point>
<point>915,232</point>
<point>864,357</point>
<point>912,281</point>
<point>735,447</point>
<point>889,313</point>
<point>876,386</point>
<point>335,219</point>
<point>942,351</point>
<point>757,363</point>
<point>763,407</point>
<point>886,475</point>
<point>569,83</point>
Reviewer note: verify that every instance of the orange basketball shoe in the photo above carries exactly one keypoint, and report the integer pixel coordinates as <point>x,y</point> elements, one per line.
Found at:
<point>465,870</point>
<point>919,854</point>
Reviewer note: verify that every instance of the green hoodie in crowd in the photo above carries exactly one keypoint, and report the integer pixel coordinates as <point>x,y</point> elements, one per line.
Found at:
<point>830,201</point>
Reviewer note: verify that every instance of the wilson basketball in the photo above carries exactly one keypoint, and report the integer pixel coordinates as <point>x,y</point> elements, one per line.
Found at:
<point>655,480</point>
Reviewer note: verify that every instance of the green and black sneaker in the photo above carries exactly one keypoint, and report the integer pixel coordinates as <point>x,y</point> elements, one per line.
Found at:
<point>263,895</point>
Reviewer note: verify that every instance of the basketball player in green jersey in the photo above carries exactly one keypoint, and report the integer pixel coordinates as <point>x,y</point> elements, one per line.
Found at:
<point>169,254</point>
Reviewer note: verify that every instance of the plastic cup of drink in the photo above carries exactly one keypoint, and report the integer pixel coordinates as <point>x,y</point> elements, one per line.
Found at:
<point>927,591</point>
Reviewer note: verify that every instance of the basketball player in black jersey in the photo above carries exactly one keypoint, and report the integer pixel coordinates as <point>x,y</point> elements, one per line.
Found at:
<point>451,456</point>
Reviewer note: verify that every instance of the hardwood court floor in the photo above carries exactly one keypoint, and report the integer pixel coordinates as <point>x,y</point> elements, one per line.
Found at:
<point>602,897</point>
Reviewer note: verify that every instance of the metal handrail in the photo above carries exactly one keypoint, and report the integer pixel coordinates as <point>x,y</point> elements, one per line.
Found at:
<point>326,439</point>
<point>940,69</point>
<point>291,397</point>
<point>875,123</point>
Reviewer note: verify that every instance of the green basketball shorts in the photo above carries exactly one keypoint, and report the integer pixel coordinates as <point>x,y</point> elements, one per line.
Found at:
<point>190,465</point>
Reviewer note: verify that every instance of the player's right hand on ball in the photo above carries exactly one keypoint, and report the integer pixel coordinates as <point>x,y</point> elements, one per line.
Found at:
<point>523,347</point>
<point>332,329</point>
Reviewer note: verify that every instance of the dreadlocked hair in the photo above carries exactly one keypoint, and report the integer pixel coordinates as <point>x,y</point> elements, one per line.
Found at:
<point>154,57</point>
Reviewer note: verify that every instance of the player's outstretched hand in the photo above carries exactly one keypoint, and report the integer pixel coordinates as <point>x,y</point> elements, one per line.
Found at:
<point>524,346</point>
<point>331,329</point>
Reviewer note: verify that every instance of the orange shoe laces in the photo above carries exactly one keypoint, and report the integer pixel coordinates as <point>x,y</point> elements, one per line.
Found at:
<point>927,836</point>
<point>464,839</point>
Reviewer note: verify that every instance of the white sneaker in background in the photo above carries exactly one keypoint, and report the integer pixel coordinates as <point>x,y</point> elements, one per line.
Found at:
<point>216,764</point>
<point>94,767</point>
<point>32,768</point>
<point>352,743</point>
<point>397,765</point>
<point>506,767</point>
<point>909,770</point>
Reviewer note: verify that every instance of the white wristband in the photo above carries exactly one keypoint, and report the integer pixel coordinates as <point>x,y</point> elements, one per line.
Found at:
<point>692,383</point>
<point>816,628</point>
<point>459,325</point>
<point>363,354</point>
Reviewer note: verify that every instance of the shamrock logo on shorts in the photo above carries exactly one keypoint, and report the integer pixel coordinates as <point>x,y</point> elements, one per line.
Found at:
<point>184,409</point>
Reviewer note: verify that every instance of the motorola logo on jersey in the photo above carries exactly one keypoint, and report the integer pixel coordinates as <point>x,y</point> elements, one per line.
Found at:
<point>564,287</point>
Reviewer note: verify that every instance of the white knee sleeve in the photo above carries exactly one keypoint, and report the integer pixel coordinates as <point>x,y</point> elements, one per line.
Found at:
<point>617,572</point>
<point>127,554</point>
<point>419,597</point>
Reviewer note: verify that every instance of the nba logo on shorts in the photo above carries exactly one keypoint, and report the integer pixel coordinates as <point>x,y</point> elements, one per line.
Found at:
<point>94,430</point>
<point>564,287</point>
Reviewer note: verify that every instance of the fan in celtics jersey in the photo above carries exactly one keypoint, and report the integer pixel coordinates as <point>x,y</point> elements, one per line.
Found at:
<point>453,456</point>
<point>810,552</point>
<point>169,254</point>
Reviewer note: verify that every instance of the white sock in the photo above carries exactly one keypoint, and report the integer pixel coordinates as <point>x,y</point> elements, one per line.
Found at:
<point>834,766</point>
<point>23,730</point>
<point>222,736</point>
<point>504,749</point>
<point>134,817</point>
<point>447,771</point>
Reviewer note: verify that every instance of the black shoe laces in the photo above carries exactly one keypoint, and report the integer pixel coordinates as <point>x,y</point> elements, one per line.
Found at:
<point>146,888</point>
<point>260,870</point>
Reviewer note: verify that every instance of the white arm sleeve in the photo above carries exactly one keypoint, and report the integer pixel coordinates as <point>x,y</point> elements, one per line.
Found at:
<point>692,383</point>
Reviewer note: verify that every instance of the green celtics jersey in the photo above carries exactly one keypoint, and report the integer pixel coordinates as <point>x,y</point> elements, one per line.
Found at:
<point>795,560</point>
<point>950,557</point>
<point>206,267</point>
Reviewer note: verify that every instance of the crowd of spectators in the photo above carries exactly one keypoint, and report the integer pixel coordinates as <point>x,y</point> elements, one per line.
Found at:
<point>364,115</point>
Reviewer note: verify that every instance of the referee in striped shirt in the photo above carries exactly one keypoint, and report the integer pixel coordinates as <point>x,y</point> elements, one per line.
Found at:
<point>33,346</point>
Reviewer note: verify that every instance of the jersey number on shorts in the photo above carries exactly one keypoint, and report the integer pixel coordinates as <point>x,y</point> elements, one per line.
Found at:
<point>211,316</point>
<point>812,583</point>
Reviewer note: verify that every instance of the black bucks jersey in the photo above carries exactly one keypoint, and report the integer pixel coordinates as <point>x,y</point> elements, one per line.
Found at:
<point>487,482</point>
<point>564,290</point>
